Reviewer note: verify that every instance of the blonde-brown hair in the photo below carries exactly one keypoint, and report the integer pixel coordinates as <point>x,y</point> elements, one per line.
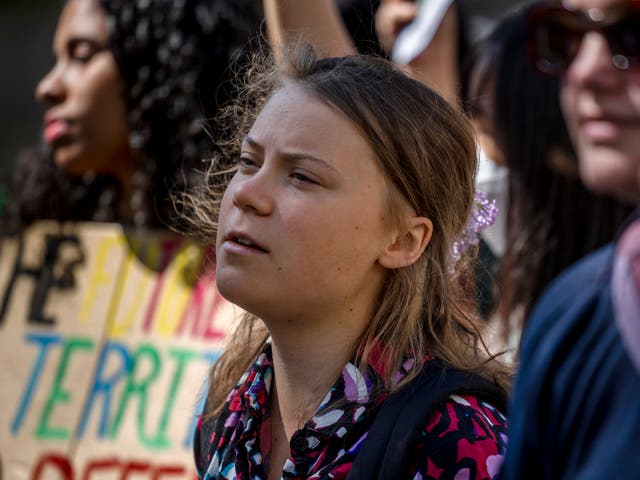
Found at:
<point>427,151</point>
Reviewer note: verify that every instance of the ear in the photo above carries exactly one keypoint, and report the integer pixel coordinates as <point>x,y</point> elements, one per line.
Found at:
<point>407,245</point>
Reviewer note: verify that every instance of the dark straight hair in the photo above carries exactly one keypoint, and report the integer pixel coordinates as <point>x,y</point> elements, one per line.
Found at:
<point>552,219</point>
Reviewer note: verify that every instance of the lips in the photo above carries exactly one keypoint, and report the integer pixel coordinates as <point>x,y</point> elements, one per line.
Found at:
<point>55,129</point>
<point>606,127</point>
<point>599,129</point>
<point>241,242</point>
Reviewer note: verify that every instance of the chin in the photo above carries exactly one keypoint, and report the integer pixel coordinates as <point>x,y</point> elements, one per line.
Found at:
<point>235,291</point>
<point>70,162</point>
<point>250,299</point>
<point>620,179</point>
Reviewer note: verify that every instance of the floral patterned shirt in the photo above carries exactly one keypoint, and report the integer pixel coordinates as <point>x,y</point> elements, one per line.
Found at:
<point>464,439</point>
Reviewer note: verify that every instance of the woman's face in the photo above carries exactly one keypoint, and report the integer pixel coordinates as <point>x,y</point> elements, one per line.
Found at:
<point>601,104</point>
<point>304,220</point>
<point>86,118</point>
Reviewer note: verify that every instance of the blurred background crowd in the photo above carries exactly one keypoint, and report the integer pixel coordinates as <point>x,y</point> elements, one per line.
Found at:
<point>174,68</point>
<point>473,52</point>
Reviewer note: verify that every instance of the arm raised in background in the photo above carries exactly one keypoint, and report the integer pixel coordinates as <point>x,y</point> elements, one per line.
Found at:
<point>317,22</point>
<point>437,65</point>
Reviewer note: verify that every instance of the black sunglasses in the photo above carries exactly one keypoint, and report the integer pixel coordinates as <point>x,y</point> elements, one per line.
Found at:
<point>555,33</point>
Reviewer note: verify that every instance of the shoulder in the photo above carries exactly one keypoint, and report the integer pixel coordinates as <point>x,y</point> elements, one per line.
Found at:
<point>555,332</point>
<point>573,296</point>
<point>576,296</point>
<point>581,281</point>
<point>464,436</point>
<point>568,346</point>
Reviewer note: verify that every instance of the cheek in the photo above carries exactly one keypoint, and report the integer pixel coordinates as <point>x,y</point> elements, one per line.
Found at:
<point>112,111</point>
<point>327,259</point>
<point>610,171</point>
<point>342,237</point>
<point>222,214</point>
<point>568,104</point>
<point>590,172</point>
<point>634,92</point>
<point>103,96</point>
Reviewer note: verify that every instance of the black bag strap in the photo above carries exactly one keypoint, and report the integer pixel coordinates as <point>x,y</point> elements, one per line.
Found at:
<point>393,437</point>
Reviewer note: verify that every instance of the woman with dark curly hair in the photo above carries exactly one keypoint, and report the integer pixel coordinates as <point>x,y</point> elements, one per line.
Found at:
<point>126,107</point>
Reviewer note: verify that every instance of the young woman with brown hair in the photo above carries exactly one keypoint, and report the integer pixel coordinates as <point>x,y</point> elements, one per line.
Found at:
<point>334,231</point>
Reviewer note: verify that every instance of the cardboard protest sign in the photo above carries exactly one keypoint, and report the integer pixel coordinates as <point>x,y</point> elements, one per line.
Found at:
<point>106,337</point>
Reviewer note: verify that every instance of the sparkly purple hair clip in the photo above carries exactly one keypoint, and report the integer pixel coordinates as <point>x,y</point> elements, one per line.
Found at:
<point>483,214</point>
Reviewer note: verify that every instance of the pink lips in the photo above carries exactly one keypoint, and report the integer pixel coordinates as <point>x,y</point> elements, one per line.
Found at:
<point>606,128</point>
<point>600,130</point>
<point>241,244</point>
<point>55,130</point>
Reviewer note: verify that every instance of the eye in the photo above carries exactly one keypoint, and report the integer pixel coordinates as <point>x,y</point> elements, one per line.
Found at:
<point>246,163</point>
<point>302,178</point>
<point>83,50</point>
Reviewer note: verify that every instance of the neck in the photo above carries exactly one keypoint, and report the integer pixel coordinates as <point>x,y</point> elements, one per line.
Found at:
<point>302,379</point>
<point>307,359</point>
<point>312,342</point>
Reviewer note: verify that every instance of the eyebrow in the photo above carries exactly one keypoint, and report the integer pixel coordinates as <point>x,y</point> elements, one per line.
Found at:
<point>292,156</point>
<point>77,39</point>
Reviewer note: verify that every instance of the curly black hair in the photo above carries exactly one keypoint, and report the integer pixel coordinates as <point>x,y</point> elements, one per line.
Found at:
<point>175,57</point>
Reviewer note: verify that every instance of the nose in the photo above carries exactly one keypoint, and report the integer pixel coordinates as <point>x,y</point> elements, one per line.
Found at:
<point>592,67</point>
<point>51,89</point>
<point>254,193</point>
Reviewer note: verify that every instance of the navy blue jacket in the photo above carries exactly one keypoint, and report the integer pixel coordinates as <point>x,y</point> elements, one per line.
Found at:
<point>575,410</point>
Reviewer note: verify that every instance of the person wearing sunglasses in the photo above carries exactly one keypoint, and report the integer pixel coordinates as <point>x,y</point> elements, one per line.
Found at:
<point>574,412</point>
